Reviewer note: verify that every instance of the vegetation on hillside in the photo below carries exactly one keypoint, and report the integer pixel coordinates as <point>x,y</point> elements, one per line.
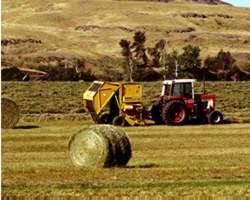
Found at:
<point>140,64</point>
<point>223,67</point>
<point>36,33</point>
<point>141,60</point>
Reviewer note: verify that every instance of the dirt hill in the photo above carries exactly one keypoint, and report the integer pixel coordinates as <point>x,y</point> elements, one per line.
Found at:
<point>37,33</point>
<point>211,2</point>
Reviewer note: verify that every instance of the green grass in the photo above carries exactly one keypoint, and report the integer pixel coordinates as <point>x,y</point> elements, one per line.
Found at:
<point>188,161</point>
<point>66,97</point>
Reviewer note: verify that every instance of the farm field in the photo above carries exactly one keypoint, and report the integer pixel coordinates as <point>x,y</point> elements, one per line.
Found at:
<point>199,161</point>
<point>188,161</point>
<point>65,98</point>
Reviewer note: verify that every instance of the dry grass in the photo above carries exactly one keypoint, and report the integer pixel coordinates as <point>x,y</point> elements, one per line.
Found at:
<point>99,146</point>
<point>9,113</point>
<point>188,161</point>
<point>55,22</point>
<point>66,97</point>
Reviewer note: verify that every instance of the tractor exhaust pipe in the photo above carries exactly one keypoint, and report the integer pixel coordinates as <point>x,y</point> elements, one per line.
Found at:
<point>204,83</point>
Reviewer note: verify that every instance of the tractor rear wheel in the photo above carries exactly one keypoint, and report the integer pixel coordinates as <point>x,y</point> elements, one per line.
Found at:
<point>215,117</point>
<point>174,113</point>
<point>156,113</point>
<point>119,121</point>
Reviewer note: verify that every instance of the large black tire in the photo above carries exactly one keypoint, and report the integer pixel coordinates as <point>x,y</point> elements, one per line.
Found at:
<point>174,113</point>
<point>215,117</point>
<point>156,113</point>
<point>119,121</point>
<point>104,118</point>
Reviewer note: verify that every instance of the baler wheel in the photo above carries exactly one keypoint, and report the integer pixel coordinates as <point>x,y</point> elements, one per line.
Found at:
<point>119,121</point>
<point>104,118</point>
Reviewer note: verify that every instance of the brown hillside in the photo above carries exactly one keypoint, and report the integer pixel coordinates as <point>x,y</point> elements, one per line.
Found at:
<point>45,33</point>
<point>211,2</point>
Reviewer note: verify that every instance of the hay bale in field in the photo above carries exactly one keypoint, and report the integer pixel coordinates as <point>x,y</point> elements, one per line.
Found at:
<point>100,146</point>
<point>10,113</point>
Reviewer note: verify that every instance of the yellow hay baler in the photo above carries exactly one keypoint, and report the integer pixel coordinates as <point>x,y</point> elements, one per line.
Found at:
<point>115,103</point>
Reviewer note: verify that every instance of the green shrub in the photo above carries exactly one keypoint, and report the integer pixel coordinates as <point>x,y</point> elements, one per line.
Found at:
<point>148,74</point>
<point>12,74</point>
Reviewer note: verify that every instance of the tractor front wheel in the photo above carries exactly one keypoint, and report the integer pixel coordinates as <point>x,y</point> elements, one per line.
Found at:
<point>174,113</point>
<point>215,117</point>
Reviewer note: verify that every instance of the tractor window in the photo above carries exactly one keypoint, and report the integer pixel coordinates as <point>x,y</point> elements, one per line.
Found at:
<point>183,89</point>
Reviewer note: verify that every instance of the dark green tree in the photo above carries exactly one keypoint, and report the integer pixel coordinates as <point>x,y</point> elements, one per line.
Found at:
<point>157,53</point>
<point>187,64</point>
<point>189,59</point>
<point>138,48</point>
<point>190,62</point>
<point>221,66</point>
<point>141,60</point>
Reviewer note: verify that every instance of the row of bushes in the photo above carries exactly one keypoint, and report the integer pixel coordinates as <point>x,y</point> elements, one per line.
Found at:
<point>141,63</point>
<point>54,74</point>
<point>12,74</point>
<point>110,74</point>
<point>140,59</point>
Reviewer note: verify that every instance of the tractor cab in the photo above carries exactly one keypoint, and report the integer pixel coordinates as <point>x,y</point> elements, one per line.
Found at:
<point>178,88</point>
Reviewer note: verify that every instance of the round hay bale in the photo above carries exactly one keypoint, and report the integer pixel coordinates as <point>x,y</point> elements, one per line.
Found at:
<point>100,146</point>
<point>10,113</point>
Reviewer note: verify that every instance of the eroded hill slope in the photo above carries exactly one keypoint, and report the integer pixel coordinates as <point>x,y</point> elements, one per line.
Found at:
<point>92,29</point>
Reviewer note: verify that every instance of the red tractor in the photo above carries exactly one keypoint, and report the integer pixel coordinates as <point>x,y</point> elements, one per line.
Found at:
<point>179,104</point>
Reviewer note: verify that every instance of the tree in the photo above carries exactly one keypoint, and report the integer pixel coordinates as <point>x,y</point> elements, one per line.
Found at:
<point>221,66</point>
<point>138,58</point>
<point>126,52</point>
<point>138,48</point>
<point>190,61</point>
<point>190,57</point>
<point>157,53</point>
<point>170,63</point>
<point>187,64</point>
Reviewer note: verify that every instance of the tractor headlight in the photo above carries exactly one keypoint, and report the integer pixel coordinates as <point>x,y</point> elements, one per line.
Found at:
<point>210,104</point>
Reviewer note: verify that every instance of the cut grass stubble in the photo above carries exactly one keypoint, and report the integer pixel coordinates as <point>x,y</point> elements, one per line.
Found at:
<point>209,159</point>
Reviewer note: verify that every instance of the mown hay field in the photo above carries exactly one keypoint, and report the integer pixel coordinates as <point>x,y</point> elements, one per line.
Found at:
<point>233,98</point>
<point>188,161</point>
<point>201,160</point>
